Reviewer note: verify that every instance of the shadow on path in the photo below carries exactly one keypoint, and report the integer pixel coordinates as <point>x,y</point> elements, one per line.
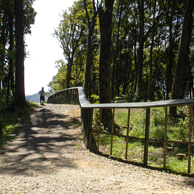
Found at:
<point>45,144</point>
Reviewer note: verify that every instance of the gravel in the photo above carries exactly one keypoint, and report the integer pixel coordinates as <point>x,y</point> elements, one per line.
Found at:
<point>49,156</point>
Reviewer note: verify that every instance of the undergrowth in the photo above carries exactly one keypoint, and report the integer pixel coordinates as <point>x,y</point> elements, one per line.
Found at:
<point>12,121</point>
<point>177,130</point>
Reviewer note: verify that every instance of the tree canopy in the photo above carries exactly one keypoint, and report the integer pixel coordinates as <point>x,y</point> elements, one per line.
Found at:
<point>16,18</point>
<point>145,53</point>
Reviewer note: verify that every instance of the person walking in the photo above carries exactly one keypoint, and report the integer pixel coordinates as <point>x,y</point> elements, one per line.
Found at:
<point>42,96</point>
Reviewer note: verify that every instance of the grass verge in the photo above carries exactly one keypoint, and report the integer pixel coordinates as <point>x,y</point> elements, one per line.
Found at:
<point>177,130</point>
<point>12,121</point>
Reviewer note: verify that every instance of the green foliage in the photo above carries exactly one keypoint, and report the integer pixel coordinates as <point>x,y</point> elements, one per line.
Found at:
<point>94,99</point>
<point>3,101</point>
<point>105,127</point>
<point>8,46</point>
<point>180,131</point>
<point>96,120</point>
<point>137,123</point>
<point>72,37</point>
<point>162,29</point>
<point>179,166</point>
<point>119,147</point>
<point>177,130</point>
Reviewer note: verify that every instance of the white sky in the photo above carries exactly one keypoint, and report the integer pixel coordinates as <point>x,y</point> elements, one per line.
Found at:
<point>43,48</point>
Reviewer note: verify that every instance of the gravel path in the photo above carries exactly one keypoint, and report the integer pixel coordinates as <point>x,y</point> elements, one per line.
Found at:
<point>48,156</point>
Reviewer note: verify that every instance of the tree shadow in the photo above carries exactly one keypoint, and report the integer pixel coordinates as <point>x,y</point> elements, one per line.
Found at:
<point>45,144</point>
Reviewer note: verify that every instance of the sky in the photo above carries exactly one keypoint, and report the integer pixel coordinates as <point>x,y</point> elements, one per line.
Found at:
<point>43,48</point>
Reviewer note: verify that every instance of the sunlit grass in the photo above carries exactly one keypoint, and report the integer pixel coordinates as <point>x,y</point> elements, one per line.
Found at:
<point>177,130</point>
<point>179,166</point>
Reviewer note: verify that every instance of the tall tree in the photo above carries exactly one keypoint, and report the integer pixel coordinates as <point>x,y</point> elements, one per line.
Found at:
<point>159,25</point>
<point>150,84</point>
<point>105,17</point>
<point>70,33</point>
<point>11,57</point>
<point>141,44</point>
<point>91,24</point>
<point>7,43</point>
<point>169,8</point>
<point>19,30</point>
<point>1,129</point>
<point>115,77</point>
<point>179,81</point>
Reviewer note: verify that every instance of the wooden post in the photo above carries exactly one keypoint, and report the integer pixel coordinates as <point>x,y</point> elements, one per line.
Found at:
<point>87,117</point>
<point>189,143</point>
<point>90,119</point>
<point>127,138</point>
<point>1,129</point>
<point>69,96</point>
<point>112,131</point>
<point>165,138</point>
<point>62,98</point>
<point>146,145</point>
<point>99,129</point>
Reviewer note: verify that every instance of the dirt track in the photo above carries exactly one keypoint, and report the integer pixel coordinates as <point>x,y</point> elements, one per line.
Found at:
<point>48,156</point>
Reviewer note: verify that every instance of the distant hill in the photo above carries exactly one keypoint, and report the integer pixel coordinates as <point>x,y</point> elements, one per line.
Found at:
<point>34,98</point>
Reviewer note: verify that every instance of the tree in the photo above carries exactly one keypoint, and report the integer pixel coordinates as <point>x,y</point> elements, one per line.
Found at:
<point>20,100</point>
<point>58,81</point>
<point>70,34</point>
<point>8,45</point>
<point>150,84</point>
<point>91,25</point>
<point>142,54</point>
<point>1,130</point>
<point>141,45</point>
<point>105,17</point>
<point>179,81</point>
<point>115,77</point>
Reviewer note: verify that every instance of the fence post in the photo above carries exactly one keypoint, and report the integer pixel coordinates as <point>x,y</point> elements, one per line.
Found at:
<point>112,131</point>
<point>87,116</point>
<point>99,129</point>
<point>146,145</point>
<point>127,138</point>
<point>189,143</point>
<point>165,138</point>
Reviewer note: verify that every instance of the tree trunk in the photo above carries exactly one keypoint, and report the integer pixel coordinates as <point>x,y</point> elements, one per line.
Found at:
<point>141,45</point>
<point>179,81</point>
<point>87,84</point>
<point>10,75</point>
<point>68,75</point>
<point>169,76</point>
<point>150,88</point>
<point>169,65</point>
<point>19,30</point>
<point>115,53</point>
<point>105,16</point>
<point>2,56</point>
<point>1,130</point>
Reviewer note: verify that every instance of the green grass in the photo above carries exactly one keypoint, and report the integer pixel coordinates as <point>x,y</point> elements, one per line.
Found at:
<point>12,121</point>
<point>118,147</point>
<point>177,130</point>
<point>179,166</point>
